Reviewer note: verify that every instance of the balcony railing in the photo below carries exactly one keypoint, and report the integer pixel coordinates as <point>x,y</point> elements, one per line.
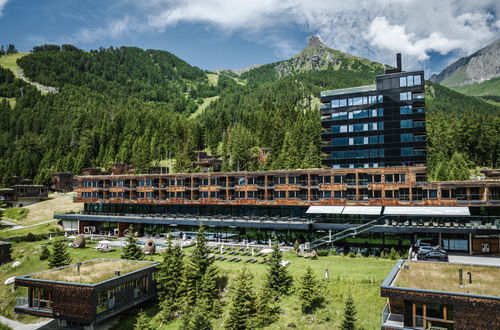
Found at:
<point>392,320</point>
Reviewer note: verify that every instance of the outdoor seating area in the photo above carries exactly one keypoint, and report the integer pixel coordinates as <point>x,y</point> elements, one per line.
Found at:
<point>445,223</point>
<point>216,217</point>
<point>238,254</point>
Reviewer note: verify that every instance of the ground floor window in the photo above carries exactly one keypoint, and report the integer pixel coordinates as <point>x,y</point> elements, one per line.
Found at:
<point>429,315</point>
<point>41,298</point>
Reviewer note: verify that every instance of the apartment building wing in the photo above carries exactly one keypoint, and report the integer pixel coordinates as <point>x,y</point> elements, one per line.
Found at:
<point>379,125</point>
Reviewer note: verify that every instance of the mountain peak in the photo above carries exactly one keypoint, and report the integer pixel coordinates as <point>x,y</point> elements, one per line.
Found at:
<point>315,41</point>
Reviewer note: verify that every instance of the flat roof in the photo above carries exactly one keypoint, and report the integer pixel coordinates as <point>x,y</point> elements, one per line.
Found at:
<point>352,90</point>
<point>427,210</point>
<point>441,276</point>
<point>92,271</point>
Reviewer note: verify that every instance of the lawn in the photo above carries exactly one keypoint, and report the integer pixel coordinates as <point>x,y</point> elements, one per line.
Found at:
<point>444,277</point>
<point>17,214</point>
<point>360,276</point>
<point>203,106</point>
<point>44,228</point>
<point>28,254</point>
<point>11,100</point>
<point>9,61</point>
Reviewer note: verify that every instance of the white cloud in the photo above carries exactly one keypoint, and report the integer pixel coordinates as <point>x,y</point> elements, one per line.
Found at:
<point>2,5</point>
<point>371,28</point>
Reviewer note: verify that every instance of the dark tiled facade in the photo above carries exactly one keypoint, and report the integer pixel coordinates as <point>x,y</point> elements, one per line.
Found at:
<point>376,126</point>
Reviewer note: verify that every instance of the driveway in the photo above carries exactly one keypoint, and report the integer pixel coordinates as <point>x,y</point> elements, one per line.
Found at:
<point>475,260</point>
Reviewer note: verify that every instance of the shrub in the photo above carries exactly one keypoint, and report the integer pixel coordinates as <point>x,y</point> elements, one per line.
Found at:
<point>30,237</point>
<point>351,254</point>
<point>393,254</point>
<point>322,253</point>
<point>45,253</point>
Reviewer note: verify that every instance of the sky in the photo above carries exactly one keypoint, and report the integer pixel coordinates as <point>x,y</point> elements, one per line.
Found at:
<point>211,34</point>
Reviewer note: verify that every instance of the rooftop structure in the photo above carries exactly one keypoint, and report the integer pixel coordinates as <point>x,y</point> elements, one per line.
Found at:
<point>427,295</point>
<point>23,194</point>
<point>84,294</point>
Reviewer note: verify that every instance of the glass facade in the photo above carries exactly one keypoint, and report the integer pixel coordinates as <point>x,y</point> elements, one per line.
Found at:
<point>390,117</point>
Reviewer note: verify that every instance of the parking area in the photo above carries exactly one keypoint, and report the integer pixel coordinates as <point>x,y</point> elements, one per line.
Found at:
<point>475,260</point>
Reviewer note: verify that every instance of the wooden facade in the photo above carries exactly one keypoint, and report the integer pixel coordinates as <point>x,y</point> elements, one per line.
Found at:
<point>390,186</point>
<point>78,304</point>
<point>409,308</point>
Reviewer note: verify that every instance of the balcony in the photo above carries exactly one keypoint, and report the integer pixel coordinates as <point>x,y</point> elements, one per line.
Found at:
<point>393,321</point>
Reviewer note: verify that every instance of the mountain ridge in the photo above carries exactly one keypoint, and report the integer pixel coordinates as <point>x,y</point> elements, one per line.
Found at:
<point>478,67</point>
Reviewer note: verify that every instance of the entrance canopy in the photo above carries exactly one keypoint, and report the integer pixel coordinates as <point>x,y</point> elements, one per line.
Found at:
<point>325,209</point>
<point>365,210</point>
<point>427,210</point>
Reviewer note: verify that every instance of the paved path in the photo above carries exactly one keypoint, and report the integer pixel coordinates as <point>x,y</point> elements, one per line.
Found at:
<point>475,260</point>
<point>16,226</point>
<point>45,324</point>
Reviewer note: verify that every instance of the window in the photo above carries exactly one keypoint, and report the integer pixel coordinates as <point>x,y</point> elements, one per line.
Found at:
<point>406,96</point>
<point>408,137</point>
<point>340,141</point>
<point>339,129</point>
<point>417,96</point>
<point>419,124</point>
<point>373,99</point>
<point>380,98</point>
<point>335,103</point>
<point>343,102</point>
<point>417,80</point>
<point>406,151</point>
<point>358,127</point>
<point>339,115</point>
<point>407,123</point>
<point>325,179</point>
<point>402,82</point>
<point>338,194</point>
<point>325,194</point>
<point>380,112</point>
<point>339,179</point>
<point>405,109</point>
<point>340,154</point>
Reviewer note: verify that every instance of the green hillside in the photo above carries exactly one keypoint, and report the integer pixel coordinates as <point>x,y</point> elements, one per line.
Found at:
<point>485,88</point>
<point>134,105</point>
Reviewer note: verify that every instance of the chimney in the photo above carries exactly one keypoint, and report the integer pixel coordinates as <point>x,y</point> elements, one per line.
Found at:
<point>398,62</point>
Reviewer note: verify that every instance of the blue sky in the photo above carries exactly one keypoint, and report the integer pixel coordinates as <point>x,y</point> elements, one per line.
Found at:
<point>233,34</point>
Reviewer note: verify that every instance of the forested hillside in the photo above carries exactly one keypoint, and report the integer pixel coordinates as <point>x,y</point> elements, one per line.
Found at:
<point>133,105</point>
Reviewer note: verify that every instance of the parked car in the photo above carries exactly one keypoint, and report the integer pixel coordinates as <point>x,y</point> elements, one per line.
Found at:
<point>435,255</point>
<point>425,249</point>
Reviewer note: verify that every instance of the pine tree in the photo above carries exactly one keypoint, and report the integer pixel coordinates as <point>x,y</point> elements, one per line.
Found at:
<point>60,255</point>
<point>349,321</point>
<point>169,279</point>
<point>45,253</point>
<point>458,168</point>
<point>267,310</point>
<point>243,309</point>
<point>311,296</point>
<point>201,256</point>
<point>142,321</point>
<point>189,285</point>
<point>132,251</point>
<point>278,281</point>
<point>209,291</point>
<point>198,318</point>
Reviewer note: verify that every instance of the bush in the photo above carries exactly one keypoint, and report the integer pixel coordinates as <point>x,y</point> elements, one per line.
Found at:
<point>351,254</point>
<point>30,237</point>
<point>45,254</point>
<point>322,253</point>
<point>393,254</point>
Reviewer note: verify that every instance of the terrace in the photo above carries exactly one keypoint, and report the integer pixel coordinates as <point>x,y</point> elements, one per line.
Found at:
<point>422,295</point>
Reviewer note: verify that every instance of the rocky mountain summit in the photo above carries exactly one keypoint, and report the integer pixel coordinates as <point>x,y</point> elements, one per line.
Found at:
<point>476,68</point>
<point>318,56</point>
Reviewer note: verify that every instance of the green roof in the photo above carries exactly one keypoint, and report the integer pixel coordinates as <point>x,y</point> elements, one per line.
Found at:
<point>351,90</point>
